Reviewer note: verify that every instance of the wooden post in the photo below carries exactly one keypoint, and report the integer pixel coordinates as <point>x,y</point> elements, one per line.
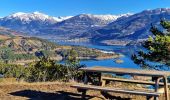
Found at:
<point>166,88</point>
<point>83,95</point>
<point>103,83</point>
<point>148,97</point>
<point>156,84</point>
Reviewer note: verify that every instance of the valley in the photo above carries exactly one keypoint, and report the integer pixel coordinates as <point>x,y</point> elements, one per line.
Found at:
<point>106,29</point>
<point>101,32</point>
<point>17,49</point>
<point>84,50</point>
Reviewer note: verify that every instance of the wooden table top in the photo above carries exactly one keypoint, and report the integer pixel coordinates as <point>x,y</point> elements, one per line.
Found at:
<point>115,70</point>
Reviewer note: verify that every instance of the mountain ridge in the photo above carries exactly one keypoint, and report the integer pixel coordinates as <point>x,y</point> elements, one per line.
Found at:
<point>132,28</point>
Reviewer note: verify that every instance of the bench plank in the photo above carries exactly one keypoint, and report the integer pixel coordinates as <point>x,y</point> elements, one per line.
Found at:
<point>132,81</point>
<point>108,89</point>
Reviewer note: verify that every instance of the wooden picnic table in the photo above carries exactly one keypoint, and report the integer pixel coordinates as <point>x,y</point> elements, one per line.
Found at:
<point>157,75</point>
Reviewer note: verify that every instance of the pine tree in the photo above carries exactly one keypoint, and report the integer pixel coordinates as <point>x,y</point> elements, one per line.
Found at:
<point>156,52</point>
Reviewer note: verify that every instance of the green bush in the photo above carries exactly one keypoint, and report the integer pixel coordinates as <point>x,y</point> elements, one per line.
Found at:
<point>43,70</point>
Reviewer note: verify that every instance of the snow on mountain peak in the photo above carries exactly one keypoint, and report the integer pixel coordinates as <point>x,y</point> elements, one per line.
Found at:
<point>37,13</point>
<point>59,19</point>
<point>18,14</point>
<point>107,17</point>
<point>157,11</point>
<point>41,15</point>
<point>27,17</point>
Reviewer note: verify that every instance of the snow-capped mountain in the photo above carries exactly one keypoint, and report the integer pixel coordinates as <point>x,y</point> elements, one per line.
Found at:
<point>29,22</point>
<point>28,17</point>
<point>134,27</point>
<point>77,25</point>
<point>109,17</point>
<point>103,19</point>
<point>42,24</point>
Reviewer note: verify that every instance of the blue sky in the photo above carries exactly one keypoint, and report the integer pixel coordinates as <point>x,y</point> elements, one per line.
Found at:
<point>74,7</point>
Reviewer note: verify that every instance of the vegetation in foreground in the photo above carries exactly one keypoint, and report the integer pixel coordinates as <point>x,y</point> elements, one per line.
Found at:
<point>156,53</point>
<point>44,70</point>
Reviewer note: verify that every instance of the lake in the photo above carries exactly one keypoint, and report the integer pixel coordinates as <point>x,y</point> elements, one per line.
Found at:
<point>126,51</point>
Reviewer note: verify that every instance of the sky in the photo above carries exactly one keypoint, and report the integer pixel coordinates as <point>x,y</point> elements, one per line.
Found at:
<point>75,7</point>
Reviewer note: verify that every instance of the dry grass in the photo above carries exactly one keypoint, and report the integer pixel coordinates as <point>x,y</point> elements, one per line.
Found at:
<point>4,37</point>
<point>35,91</point>
<point>12,90</point>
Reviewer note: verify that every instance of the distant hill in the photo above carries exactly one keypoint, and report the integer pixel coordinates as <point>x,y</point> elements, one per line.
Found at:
<point>9,32</point>
<point>26,44</point>
<point>17,42</point>
<point>15,48</point>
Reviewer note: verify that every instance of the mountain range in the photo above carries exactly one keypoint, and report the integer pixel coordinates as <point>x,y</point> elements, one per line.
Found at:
<point>97,28</point>
<point>37,23</point>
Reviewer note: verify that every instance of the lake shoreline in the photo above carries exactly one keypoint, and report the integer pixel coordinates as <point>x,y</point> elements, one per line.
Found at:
<point>60,58</point>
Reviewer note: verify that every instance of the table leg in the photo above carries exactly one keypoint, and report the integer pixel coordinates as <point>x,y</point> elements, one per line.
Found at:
<point>85,82</point>
<point>157,79</point>
<point>85,78</point>
<point>166,88</point>
<point>99,78</point>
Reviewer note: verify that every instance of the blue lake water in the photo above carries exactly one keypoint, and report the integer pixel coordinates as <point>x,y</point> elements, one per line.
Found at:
<point>128,63</point>
<point>126,51</point>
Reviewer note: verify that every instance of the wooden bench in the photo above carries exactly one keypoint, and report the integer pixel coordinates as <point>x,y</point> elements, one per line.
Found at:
<point>156,75</point>
<point>109,89</point>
